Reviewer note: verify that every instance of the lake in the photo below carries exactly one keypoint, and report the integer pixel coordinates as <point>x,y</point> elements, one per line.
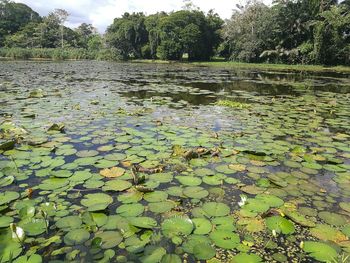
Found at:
<point>132,162</point>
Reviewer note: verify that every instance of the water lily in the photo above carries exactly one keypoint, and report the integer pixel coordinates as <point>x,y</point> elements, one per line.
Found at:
<point>17,232</point>
<point>243,200</point>
<point>274,233</point>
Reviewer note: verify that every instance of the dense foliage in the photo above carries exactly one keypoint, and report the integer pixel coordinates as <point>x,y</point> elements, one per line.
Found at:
<point>288,31</point>
<point>299,31</point>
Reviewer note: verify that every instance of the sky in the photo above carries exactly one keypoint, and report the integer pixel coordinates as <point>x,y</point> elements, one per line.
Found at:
<point>101,13</point>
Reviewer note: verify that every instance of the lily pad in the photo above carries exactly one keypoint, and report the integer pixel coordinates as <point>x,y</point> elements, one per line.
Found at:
<point>96,202</point>
<point>213,209</point>
<point>7,197</point>
<point>143,222</point>
<point>130,210</point>
<point>280,225</point>
<point>225,239</point>
<point>112,172</point>
<point>76,237</point>
<point>110,239</point>
<point>320,251</point>
<point>69,222</point>
<point>246,258</point>
<point>177,226</point>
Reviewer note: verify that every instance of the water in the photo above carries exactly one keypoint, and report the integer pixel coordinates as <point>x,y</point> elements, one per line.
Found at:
<point>286,136</point>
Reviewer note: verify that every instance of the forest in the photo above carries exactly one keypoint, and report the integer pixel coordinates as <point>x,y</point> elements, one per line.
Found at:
<point>288,31</point>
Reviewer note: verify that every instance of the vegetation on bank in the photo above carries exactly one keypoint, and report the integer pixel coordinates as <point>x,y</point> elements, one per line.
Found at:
<point>109,54</point>
<point>289,32</point>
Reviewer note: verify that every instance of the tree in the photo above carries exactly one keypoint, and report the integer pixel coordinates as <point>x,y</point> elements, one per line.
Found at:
<point>128,34</point>
<point>62,16</point>
<point>85,33</point>
<point>249,32</point>
<point>14,16</point>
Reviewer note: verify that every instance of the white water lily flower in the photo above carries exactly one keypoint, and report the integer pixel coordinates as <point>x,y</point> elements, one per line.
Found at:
<point>17,232</point>
<point>243,200</point>
<point>274,232</point>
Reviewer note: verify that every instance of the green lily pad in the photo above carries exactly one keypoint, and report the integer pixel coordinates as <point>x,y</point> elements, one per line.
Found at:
<point>116,185</point>
<point>143,222</point>
<point>189,180</point>
<point>332,218</point>
<point>69,222</point>
<point>7,197</point>
<point>156,196</point>
<point>96,202</point>
<point>5,181</point>
<point>202,226</point>
<point>34,227</point>
<point>177,226</point>
<point>328,233</point>
<point>345,206</point>
<point>153,254</point>
<point>76,237</point>
<point>225,239</point>
<point>213,209</point>
<point>196,192</point>
<point>35,258</point>
<point>171,258</point>
<point>53,183</point>
<point>204,251</point>
<point>5,221</point>
<point>280,225</point>
<point>246,258</point>
<point>110,239</point>
<point>320,251</point>
<point>161,207</point>
<point>130,210</point>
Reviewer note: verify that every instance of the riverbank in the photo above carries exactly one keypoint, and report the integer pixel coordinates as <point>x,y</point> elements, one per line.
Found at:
<point>260,66</point>
<point>112,55</point>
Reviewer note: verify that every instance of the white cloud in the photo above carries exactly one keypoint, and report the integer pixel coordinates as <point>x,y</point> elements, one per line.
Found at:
<point>101,13</point>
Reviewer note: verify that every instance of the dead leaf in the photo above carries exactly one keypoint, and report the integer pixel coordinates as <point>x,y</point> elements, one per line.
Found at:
<point>112,172</point>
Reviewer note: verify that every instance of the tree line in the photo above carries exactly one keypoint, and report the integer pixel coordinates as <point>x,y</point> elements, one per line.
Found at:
<point>288,31</point>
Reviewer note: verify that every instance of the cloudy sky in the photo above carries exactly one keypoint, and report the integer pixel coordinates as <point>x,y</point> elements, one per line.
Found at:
<point>101,13</point>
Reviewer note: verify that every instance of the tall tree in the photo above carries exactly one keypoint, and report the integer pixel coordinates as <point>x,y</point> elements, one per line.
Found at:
<point>14,16</point>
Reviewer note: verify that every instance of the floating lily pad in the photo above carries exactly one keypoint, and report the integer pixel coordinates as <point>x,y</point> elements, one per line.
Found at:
<point>280,225</point>
<point>116,185</point>
<point>177,226</point>
<point>204,251</point>
<point>8,196</point>
<point>213,209</point>
<point>326,232</point>
<point>225,239</point>
<point>96,202</point>
<point>161,207</point>
<point>189,180</point>
<point>196,192</point>
<point>69,222</point>
<point>156,196</point>
<point>76,237</point>
<point>202,226</point>
<point>143,222</point>
<point>332,218</point>
<point>320,251</point>
<point>112,172</point>
<point>246,258</point>
<point>5,221</point>
<point>110,239</point>
<point>130,210</point>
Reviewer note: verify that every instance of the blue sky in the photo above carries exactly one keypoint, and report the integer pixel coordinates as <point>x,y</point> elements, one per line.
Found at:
<point>101,13</point>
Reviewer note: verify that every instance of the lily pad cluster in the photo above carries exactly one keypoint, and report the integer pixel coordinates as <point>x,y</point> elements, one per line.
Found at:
<point>114,165</point>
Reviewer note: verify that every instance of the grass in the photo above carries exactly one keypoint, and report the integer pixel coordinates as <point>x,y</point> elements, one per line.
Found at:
<point>278,67</point>
<point>261,66</point>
